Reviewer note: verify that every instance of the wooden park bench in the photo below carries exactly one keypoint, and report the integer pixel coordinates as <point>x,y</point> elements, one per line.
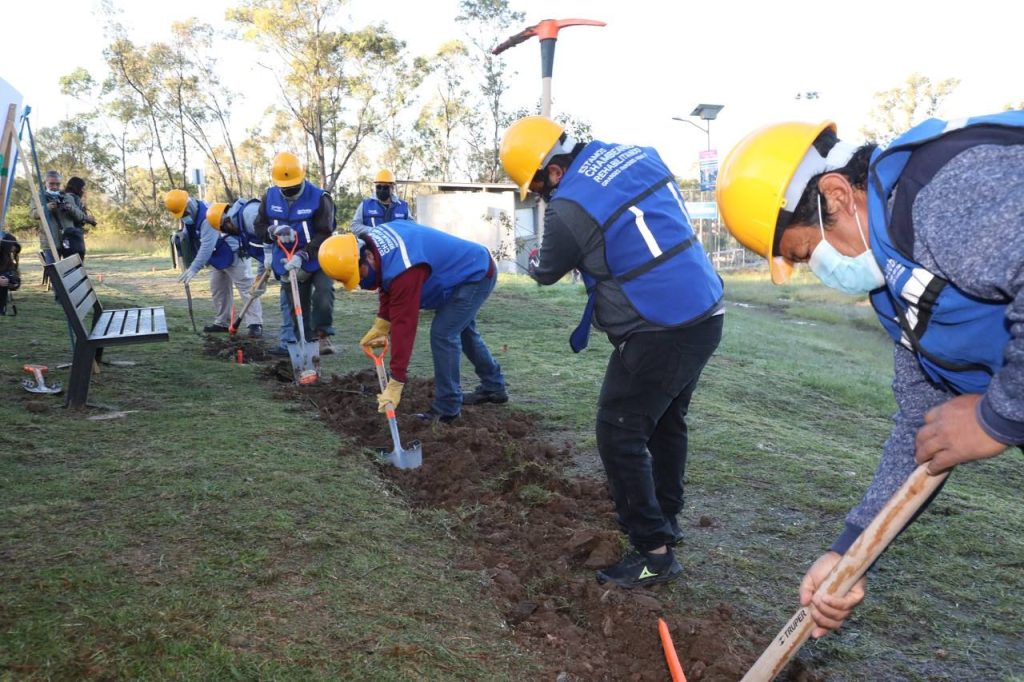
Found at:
<point>109,327</point>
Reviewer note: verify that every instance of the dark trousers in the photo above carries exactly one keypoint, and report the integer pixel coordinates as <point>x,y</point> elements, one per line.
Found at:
<point>316,294</point>
<point>641,425</point>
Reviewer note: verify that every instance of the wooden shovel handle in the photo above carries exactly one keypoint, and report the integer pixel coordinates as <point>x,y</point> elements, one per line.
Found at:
<point>890,520</point>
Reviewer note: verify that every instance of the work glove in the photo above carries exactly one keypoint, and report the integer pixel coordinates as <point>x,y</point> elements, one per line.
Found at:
<point>268,259</point>
<point>282,233</point>
<point>296,261</point>
<point>392,394</point>
<point>377,334</point>
<point>187,276</point>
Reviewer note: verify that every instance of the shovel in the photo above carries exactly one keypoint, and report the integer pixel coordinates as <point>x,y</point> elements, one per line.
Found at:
<point>254,293</point>
<point>37,384</point>
<point>305,357</point>
<point>402,458</point>
<point>886,525</point>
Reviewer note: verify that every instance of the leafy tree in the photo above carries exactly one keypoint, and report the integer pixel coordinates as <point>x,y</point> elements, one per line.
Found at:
<point>328,77</point>
<point>900,108</point>
<point>487,22</point>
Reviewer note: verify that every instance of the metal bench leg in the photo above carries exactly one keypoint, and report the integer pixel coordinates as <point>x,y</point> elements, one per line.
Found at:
<point>81,375</point>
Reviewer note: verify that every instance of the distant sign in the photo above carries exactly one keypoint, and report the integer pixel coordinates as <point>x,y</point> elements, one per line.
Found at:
<point>708,170</point>
<point>702,210</point>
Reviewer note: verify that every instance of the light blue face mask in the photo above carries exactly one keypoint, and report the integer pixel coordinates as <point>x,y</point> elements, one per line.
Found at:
<point>849,274</point>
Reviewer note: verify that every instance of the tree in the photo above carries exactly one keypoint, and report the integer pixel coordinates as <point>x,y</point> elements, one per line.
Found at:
<point>448,112</point>
<point>900,108</point>
<point>327,78</point>
<point>487,22</point>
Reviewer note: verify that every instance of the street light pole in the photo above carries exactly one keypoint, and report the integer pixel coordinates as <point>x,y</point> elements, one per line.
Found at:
<point>706,131</point>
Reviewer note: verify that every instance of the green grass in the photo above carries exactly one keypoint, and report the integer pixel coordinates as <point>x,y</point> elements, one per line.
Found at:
<point>219,533</point>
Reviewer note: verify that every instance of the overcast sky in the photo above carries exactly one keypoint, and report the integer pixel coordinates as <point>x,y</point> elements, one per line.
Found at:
<point>654,60</point>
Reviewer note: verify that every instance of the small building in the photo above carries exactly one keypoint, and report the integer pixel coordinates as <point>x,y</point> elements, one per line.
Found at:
<point>486,213</point>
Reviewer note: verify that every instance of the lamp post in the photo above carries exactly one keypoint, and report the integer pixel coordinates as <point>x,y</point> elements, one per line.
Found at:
<point>707,112</point>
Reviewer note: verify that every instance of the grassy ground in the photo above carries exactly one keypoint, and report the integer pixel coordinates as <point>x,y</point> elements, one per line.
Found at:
<point>218,533</point>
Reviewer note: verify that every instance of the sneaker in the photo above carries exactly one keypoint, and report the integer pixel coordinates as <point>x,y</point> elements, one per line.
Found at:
<point>278,352</point>
<point>255,331</point>
<point>639,569</point>
<point>326,348</point>
<point>482,395</point>
<point>215,328</point>
<point>432,415</point>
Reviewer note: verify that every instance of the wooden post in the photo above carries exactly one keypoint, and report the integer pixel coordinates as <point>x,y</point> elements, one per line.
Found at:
<point>44,226</point>
<point>5,157</point>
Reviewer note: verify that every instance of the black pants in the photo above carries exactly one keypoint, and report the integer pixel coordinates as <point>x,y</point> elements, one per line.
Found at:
<point>73,241</point>
<point>641,425</point>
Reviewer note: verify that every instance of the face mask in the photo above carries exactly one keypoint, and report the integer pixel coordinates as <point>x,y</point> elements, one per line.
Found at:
<point>849,274</point>
<point>370,280</point>
<point>187,220</point>
<point>291,191</point>
<point>383,193</point>
<point>53,192</point>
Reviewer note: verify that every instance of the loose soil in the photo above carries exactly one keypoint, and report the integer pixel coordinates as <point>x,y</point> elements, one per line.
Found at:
<point>537,535</point>
<point>226,347</point>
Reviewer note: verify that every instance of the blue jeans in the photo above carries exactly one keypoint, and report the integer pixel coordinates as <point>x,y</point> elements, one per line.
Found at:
<point>453,333</point>
<point>287,328</point>
<point>316,295</point>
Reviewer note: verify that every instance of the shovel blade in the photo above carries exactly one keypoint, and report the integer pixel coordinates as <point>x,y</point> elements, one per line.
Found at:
<point>404,458</point>
<point>305,362</point>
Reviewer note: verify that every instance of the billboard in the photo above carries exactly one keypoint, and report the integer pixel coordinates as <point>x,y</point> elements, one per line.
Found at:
<point>708,170</point>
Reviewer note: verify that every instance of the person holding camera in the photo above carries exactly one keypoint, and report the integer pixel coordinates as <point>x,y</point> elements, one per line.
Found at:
<point>67,213</point>
<point>74,197</point>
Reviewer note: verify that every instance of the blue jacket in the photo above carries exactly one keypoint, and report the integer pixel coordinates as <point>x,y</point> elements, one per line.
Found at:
<point>298,215</point>
<point>222,254</point>
<point>958,339</point>
<point>403,244</point>
<point>374,213</point>
<point>652,251</point>
<point>250,243</point>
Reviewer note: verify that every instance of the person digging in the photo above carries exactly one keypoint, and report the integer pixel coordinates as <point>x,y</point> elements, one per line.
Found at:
<point>414,267</point>
<point>614,212</point>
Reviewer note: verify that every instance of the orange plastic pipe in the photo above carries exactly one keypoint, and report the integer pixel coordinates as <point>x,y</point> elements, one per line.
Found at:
<point>670,653</point>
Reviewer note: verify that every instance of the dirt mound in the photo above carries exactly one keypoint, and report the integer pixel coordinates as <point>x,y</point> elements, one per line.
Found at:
<point>226,347</point>
<point>538,536</point>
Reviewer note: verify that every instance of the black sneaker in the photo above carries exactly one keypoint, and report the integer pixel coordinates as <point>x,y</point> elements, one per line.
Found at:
<point>482,395</point>
<point>255,331</point>
<point>433,416</point>
<point>215,328</point>
<point>638,569</point>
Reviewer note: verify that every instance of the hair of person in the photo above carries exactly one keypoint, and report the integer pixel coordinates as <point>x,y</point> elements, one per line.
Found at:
<point>565,160</point>
<point>855,171</point>
<point>75,185</point>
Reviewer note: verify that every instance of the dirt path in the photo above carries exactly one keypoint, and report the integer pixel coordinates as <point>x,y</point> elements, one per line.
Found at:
<point>537,534</point>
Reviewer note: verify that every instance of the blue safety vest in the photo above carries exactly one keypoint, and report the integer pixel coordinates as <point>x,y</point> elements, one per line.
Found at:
<point>403,244</point>
<point>192,234</point>
<point>250,244</point>
<point>374,213</point>
<point>959,339</point>
<point>650,246</point>
<point>299,215</point>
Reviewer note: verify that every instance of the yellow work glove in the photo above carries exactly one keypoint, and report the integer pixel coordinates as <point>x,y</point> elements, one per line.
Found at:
<point>392,394</point>
<point>375,337</point>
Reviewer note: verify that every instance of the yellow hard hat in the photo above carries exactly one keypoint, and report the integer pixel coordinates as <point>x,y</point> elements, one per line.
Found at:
<point>287,171</point>
<point>339,259</point>
<point>752,184</point>
<point>384,177</point>
<point>176,201</point>
<point>215,214</point>
<point>525,147</point>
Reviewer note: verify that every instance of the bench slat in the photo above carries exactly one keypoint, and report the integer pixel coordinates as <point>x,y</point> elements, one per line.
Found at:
<point>131,322</point>
<point>159,321</point>
<point>85,306</point>
<point>102,325</point>
<point>145,320</point>
<point>73,278</point>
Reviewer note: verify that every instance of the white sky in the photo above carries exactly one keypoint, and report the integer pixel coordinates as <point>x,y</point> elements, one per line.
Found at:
<point>654,60</point>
